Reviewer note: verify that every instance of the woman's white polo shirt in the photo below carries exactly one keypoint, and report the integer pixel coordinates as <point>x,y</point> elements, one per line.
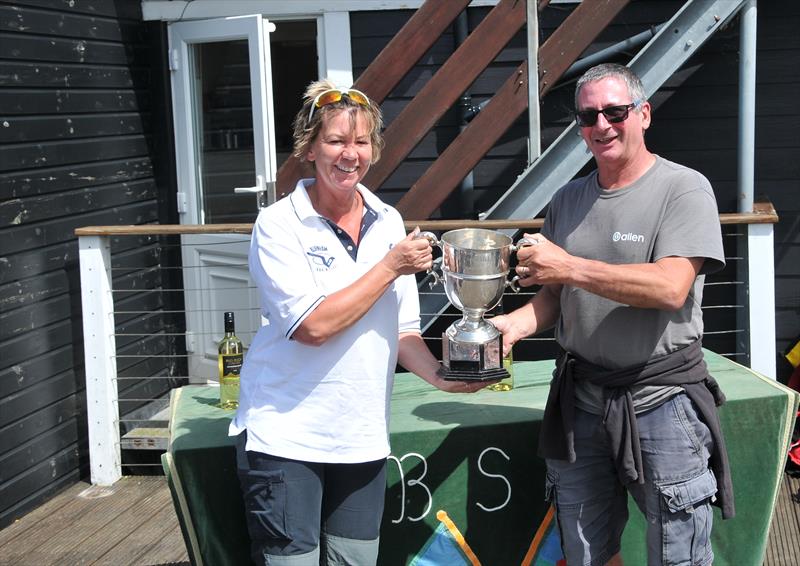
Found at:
<point>328,403</point>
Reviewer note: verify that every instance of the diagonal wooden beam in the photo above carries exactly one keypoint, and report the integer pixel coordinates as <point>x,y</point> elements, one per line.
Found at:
<point>560,50</point>
<point>461,156</point>
<point>439,94</point>
<point>407,47</point>
<point>428,193</point>
<point>572,37</point>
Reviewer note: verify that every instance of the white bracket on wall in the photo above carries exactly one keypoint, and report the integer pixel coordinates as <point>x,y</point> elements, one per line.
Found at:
<point>183,205</point>
<point>173,60</point>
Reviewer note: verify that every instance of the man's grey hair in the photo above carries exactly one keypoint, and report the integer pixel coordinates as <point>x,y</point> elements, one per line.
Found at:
<point>614,70</point>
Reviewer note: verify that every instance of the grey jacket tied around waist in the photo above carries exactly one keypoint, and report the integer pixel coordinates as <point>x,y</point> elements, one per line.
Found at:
<point>685,367</point>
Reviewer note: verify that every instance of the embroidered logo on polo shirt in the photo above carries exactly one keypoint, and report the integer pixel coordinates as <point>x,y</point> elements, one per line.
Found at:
<point>319,259</point>
<point>629,237</point>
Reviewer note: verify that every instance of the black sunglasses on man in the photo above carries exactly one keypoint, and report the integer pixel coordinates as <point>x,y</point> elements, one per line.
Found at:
<point>613,114</point>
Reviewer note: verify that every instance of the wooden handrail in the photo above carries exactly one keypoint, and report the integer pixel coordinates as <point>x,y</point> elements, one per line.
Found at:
<point>763,213</point>
<point>164,229</point>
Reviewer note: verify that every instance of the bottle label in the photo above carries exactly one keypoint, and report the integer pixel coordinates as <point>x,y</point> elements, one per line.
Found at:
<point>232,364</point>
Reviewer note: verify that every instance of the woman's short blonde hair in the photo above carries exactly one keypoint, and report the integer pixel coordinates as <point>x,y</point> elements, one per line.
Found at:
<point>306,131</point>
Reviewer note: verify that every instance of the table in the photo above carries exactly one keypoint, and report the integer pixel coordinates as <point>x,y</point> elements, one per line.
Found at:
<point>474,456</point>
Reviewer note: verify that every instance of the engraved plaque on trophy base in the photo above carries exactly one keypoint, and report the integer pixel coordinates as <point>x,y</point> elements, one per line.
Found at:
<point>465,360</point>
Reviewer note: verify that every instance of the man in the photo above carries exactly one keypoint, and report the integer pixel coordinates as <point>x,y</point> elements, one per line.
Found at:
<point>621,259</point>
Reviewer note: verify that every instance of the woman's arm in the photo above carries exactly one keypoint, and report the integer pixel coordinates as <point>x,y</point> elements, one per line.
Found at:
<point>345,307</point>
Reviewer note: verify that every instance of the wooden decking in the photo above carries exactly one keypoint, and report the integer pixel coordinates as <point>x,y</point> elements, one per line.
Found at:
<point>133,523</point>
<point>783,548</point>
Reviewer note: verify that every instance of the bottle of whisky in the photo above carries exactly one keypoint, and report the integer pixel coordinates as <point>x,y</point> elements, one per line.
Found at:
<point>506,384</point>
<point>231,356</point>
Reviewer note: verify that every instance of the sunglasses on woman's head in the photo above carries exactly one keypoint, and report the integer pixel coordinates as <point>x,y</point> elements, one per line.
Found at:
<point>334,95</point>
<point>613,114</point>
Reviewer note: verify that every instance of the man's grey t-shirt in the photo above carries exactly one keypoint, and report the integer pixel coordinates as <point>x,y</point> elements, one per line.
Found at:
<point>668,211</point>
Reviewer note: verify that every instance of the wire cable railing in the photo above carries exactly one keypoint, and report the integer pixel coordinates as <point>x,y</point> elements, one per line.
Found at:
<point>153,299</point>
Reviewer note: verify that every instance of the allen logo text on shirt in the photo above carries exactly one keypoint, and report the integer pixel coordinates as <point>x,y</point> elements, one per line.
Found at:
<point>629,237</point>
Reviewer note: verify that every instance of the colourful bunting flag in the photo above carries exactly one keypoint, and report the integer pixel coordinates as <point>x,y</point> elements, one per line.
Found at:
<point>793,355</point>
<point>446,547</point>
<point>545,549</point>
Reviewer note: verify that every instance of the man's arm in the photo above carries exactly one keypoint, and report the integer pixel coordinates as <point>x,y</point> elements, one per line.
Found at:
<point>664,284</point>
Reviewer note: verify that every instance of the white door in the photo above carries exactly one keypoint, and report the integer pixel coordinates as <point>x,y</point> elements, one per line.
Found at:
<point>224,138</point>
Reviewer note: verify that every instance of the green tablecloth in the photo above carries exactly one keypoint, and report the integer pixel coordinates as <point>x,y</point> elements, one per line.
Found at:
<point>475,457</point>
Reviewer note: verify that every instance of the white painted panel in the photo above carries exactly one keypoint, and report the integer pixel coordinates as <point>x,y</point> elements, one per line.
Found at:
<point>333,45</point>
<point>761,267</point>
<point>100,349</point>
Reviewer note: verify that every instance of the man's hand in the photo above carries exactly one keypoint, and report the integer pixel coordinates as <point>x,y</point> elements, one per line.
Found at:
<point>510,330</point>
<point>543,263</point>
<point>537,315</point>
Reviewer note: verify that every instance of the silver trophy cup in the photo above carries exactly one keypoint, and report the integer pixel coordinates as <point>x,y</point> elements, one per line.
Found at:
<point>474,270</point>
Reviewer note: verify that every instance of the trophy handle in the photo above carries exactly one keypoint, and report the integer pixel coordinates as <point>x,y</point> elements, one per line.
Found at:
<point>435,243</point>
<point>431,237</point>
<point>522,243</point>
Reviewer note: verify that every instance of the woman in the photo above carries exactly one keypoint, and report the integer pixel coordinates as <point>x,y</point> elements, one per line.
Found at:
<point>334,269</point>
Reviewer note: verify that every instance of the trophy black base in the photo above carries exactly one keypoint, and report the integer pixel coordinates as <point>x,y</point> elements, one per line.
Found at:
<point>473,360</point>
<point>473,375</point>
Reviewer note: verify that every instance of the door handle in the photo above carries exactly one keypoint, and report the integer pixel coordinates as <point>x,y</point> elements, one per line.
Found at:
<point>264,191</point>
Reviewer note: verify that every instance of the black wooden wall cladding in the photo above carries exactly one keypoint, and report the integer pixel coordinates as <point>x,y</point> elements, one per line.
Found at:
<point>84,142</point>
<point>82,89</point>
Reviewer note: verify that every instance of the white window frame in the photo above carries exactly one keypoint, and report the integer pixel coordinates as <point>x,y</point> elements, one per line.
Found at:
<point>173,10</point>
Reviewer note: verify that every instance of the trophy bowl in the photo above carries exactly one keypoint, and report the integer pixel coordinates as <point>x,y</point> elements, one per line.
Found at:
<point>474,271</point>
<point>475,264</point>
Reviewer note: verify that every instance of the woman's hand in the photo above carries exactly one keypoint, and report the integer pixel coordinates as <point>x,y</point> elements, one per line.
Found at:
<point>459,386</point>
<point>410,255</point>
<point>414,355</point>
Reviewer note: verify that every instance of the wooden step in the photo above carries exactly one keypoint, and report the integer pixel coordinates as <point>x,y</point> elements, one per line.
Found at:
<point>146,438</point>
